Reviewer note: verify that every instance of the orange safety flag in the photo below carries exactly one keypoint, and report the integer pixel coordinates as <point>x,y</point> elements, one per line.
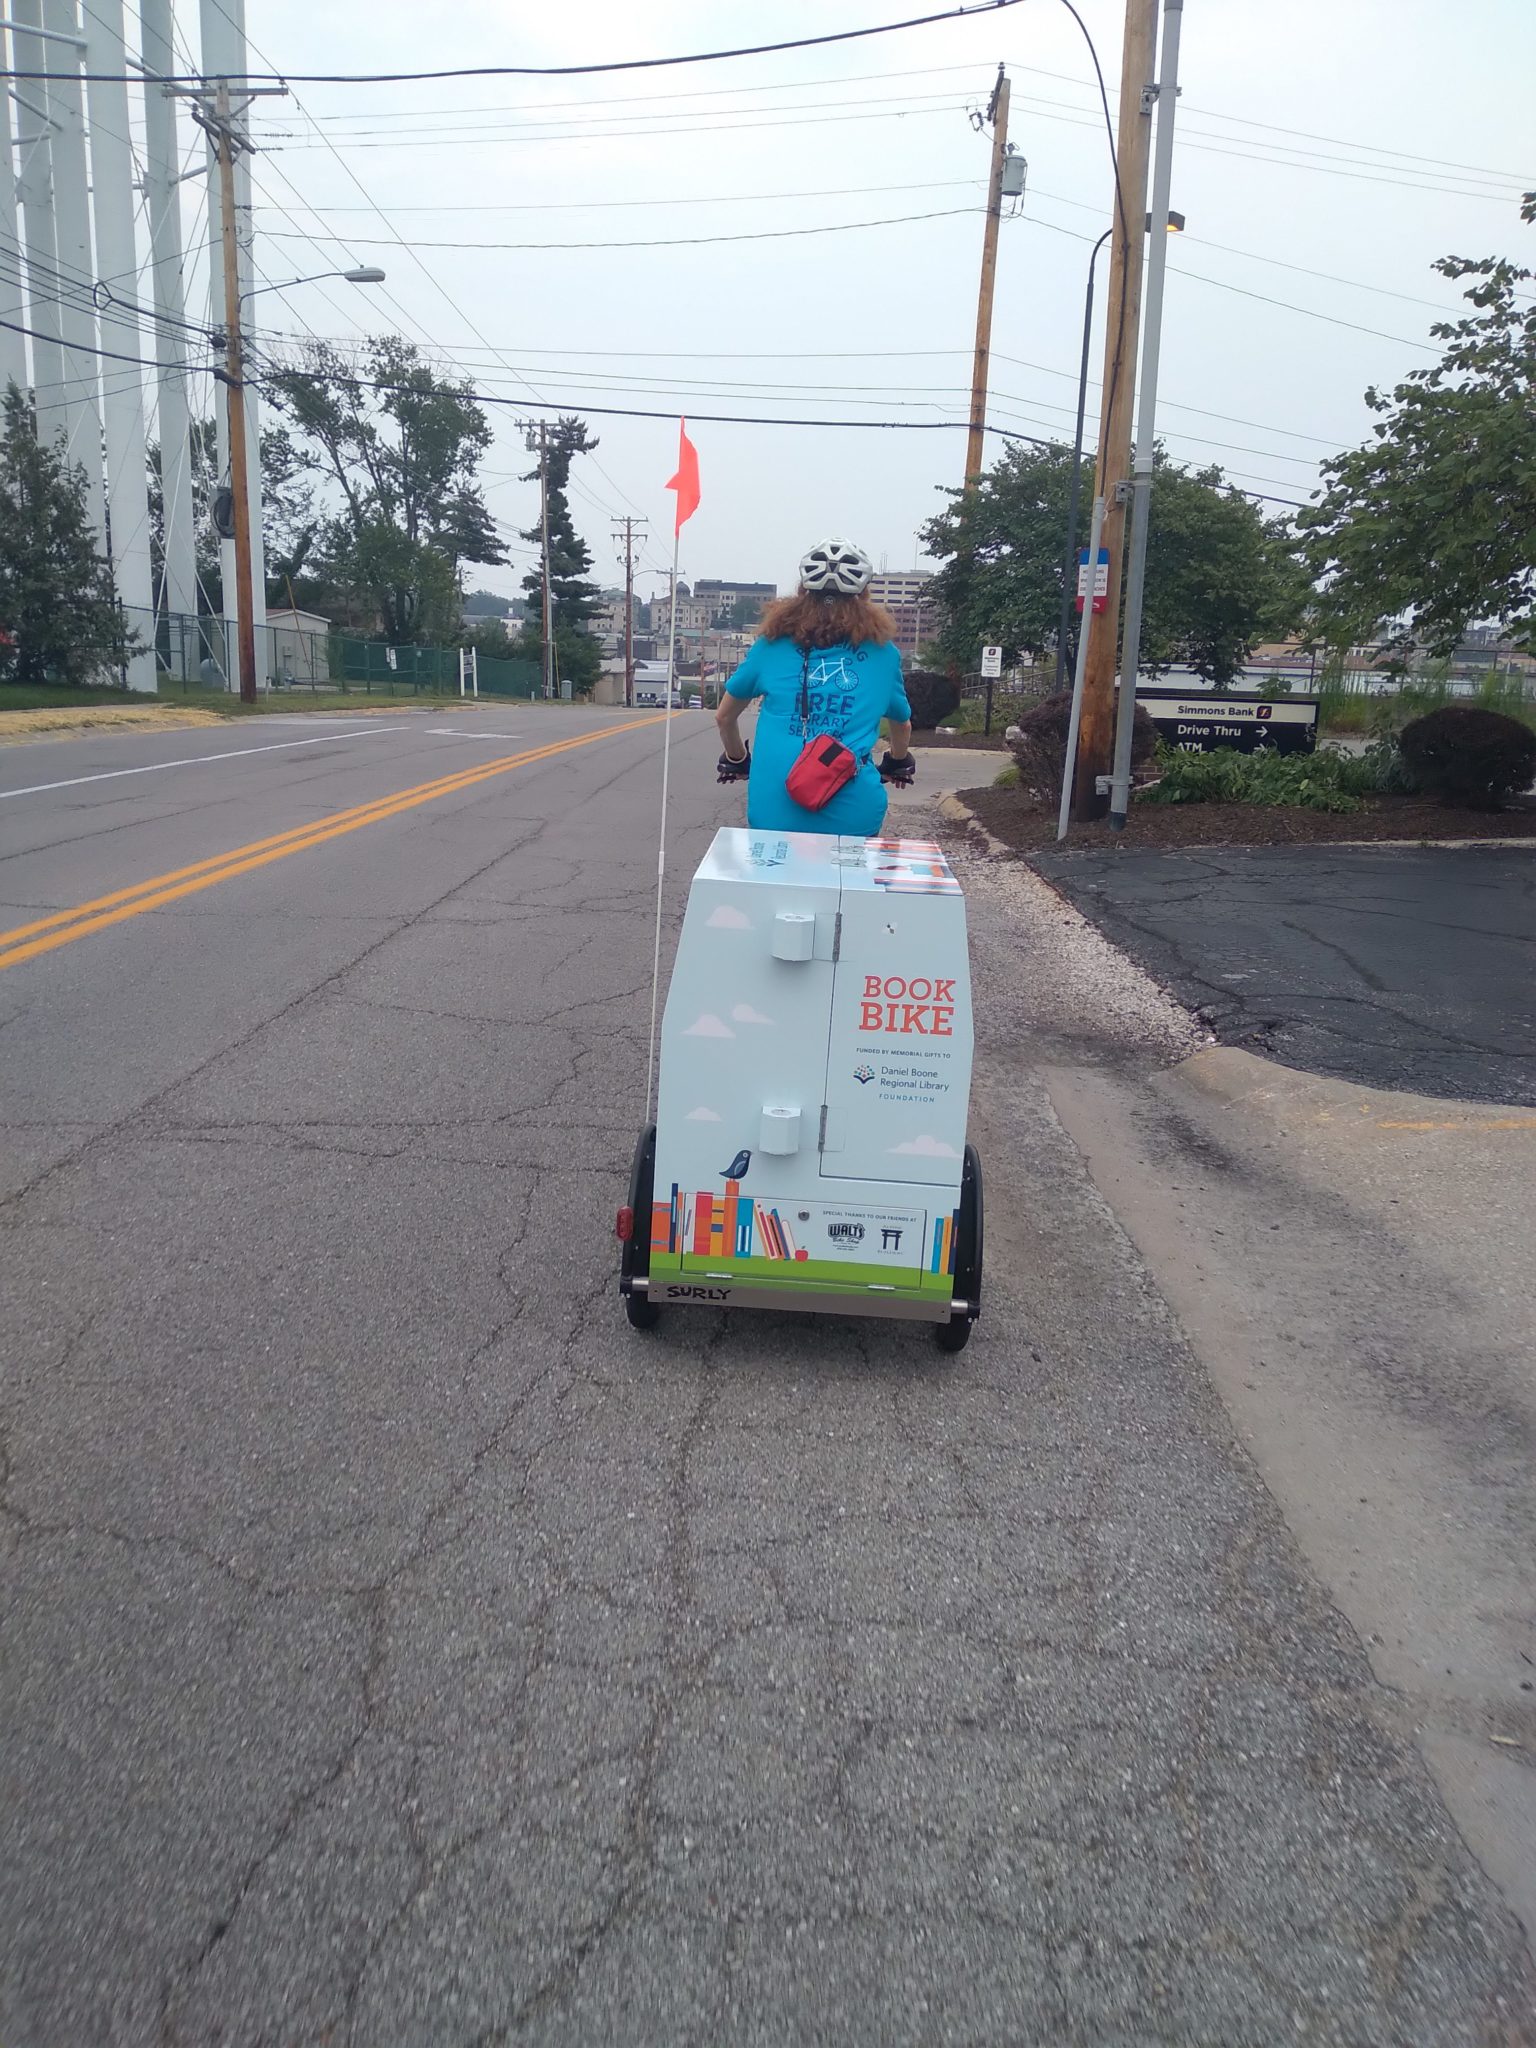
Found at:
<point>686,482</point>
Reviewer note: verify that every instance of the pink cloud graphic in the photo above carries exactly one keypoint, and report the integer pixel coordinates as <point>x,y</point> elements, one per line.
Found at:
<point>745,1014</point>
<point>725,917</point>
<point>926,1148</point>
<point>702,1116</point>
<point>708,1025</point>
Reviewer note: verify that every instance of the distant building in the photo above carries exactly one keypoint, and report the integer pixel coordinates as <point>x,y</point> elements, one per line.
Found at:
<point>693,614</point>
<point>906,596</point>
<point>723,598</point>
<point>297,649</point>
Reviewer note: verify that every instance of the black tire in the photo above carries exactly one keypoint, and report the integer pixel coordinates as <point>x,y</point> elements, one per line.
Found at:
<point>969,1233</point>
<point>635,1253</point>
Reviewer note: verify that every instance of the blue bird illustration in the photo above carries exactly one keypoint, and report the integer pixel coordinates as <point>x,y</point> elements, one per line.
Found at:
<point>737,1170</point>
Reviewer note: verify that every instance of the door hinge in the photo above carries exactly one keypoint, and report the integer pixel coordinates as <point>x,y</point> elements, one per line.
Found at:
<point>837,938</point>
<point>821,1132</point>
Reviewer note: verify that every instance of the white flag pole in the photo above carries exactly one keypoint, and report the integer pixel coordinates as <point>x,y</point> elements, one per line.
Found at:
<point>661,843</point>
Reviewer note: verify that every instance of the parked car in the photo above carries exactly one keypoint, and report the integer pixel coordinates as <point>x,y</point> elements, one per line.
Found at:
<point>695,703</point>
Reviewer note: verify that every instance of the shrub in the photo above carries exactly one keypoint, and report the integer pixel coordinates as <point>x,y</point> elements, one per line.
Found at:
<point>1039,743</point>
<point>932,697</point>
<point>1466,755</point>
<point>1327,781</point>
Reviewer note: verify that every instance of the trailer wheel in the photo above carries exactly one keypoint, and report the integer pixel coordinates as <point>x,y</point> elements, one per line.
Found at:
<point>955,1334</point>
<point>635,1254</point>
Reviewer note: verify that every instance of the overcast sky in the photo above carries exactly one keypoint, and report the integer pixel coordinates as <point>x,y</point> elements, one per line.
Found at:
<point>1306,138</point>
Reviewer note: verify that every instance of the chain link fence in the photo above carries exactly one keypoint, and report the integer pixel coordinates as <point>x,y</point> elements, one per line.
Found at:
<point>299,652</point>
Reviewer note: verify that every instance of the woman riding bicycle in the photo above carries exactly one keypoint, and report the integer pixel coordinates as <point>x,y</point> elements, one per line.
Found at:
<point>827,671</point>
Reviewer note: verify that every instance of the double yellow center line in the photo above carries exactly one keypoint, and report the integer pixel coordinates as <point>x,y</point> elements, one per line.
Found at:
<point>63,927</point>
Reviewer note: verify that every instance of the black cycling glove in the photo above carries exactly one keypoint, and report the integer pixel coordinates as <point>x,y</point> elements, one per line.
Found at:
<point>902,772</point>
<point>728,770</point>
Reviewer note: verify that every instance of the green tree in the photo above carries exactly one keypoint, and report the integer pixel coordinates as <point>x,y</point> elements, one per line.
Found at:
<point>1219,576</point>
<point>58,611</point>
<point>397,447</point>
<point>573,595</point>
<point>292,522</point>
<point>1432,522</point>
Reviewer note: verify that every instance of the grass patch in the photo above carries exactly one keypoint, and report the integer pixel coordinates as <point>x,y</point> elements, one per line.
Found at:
<point>1362,711</point>
<point>1007,778</point>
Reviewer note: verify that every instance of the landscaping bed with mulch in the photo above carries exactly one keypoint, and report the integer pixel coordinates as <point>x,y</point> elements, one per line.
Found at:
<point>1026,825</point>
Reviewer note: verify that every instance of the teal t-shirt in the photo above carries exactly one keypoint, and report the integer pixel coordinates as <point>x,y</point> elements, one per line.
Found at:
<point>848,691</point>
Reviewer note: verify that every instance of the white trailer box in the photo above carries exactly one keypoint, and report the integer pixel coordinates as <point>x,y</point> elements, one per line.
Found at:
<point>810,1148</point>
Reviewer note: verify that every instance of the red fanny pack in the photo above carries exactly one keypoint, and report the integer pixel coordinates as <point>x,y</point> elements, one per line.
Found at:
<point>825,765</point>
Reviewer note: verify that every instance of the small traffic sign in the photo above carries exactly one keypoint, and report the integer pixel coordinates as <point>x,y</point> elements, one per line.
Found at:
<point>1100,580</point>
<point>991,661</point>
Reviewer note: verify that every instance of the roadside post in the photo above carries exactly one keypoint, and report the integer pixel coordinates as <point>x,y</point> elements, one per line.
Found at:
<point>991,669</point>
<point>1080,677</point>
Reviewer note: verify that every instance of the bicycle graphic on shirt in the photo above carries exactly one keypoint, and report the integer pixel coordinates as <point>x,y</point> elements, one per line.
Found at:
<point>830,692</point>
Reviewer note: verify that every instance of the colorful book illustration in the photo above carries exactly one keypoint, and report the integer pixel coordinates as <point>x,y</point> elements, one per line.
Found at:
<point>942,1259</point>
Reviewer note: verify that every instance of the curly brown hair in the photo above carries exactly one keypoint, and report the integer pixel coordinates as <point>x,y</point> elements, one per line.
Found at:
<point>816,620</point>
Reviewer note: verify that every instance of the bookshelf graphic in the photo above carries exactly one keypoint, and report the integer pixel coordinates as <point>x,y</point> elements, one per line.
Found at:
<point>727,1226</point>
<point>731,1232</point>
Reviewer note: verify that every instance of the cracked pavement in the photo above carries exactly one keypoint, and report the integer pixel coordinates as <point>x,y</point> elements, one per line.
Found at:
<point>1402,967</point>
<point>398,1648</point>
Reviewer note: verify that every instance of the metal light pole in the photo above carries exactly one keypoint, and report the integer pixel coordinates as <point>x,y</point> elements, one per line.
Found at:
<point>1069,556</point>
<point>1146,418</point>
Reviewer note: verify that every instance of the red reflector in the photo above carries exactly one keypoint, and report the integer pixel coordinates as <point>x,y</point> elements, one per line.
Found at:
<point>625,1228</point>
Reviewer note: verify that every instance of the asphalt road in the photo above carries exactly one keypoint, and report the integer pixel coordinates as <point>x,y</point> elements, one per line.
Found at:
<point>399,1649</point>
<point>1403,967</point>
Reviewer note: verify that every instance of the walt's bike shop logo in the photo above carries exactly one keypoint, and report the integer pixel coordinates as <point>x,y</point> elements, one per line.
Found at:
<point>846,1233</point>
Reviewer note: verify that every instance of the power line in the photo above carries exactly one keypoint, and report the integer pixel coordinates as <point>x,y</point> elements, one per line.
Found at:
<point>1308,312</point>
<point>683,199</point>
<point>846,35</point>
<point>842,227</point>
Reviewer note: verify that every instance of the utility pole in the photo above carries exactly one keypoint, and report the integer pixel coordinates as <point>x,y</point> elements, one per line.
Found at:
<point>1146,417</point>
<point>1112,476</point>
<point>629,524</point>
<point>536,437</point>
<point>997,114</point>
<point>211,108</point>
<point>233,381</point>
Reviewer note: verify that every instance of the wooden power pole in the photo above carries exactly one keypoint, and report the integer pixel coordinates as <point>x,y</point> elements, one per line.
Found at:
<point>997,114</point>
<point>629,525</point>
<point>1096,735</point>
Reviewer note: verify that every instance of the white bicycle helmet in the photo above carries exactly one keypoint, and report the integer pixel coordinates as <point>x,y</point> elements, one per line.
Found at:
<point>836,566</point>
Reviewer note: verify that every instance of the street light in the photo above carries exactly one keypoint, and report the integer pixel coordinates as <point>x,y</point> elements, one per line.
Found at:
<point>1069,559</point>
<point>232,377</point>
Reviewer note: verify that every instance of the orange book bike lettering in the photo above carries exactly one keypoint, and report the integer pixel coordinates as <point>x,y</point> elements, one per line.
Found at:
<point>917,1008</point>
